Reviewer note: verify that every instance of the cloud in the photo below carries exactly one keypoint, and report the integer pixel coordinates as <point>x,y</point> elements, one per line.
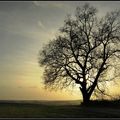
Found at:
<point>33,87</point>
<point>54,4</point>
<point>36,3</point>
<point>59,5</point>
<point>20,87</point>
<point>41,25</point>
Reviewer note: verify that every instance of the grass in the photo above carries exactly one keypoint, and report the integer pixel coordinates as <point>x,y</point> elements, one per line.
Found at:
<point>59,109</point>
<point>115,103</point>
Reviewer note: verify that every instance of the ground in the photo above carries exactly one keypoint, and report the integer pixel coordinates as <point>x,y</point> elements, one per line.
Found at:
<point>60,109</point>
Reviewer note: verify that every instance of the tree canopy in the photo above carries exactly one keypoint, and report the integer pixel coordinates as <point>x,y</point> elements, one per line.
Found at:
<point>84,52</point>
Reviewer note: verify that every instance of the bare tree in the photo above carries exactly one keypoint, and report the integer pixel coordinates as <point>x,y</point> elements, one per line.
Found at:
<point>84,52</point>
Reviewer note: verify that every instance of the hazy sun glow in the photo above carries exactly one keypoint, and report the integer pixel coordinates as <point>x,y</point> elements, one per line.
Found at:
<point>24,28</point>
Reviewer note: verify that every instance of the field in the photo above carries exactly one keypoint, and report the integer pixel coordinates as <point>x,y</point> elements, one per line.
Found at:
<point>59,109</point>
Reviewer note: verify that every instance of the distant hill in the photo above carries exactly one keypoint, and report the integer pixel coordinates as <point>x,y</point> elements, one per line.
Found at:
<point>44,102</point>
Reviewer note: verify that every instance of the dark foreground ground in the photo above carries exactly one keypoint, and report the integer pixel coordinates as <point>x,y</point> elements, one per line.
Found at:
<point>59,109</point>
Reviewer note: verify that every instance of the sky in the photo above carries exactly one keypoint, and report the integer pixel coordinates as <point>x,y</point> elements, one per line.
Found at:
<point>25,27</point>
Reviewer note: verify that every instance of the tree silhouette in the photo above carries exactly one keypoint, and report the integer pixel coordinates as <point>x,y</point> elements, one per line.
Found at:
<point>84,52</point>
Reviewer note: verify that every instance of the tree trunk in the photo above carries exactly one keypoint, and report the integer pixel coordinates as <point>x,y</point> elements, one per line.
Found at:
<point>86,96</point>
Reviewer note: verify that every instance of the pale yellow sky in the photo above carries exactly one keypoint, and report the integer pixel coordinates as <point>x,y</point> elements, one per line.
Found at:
<point>24,28</point>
